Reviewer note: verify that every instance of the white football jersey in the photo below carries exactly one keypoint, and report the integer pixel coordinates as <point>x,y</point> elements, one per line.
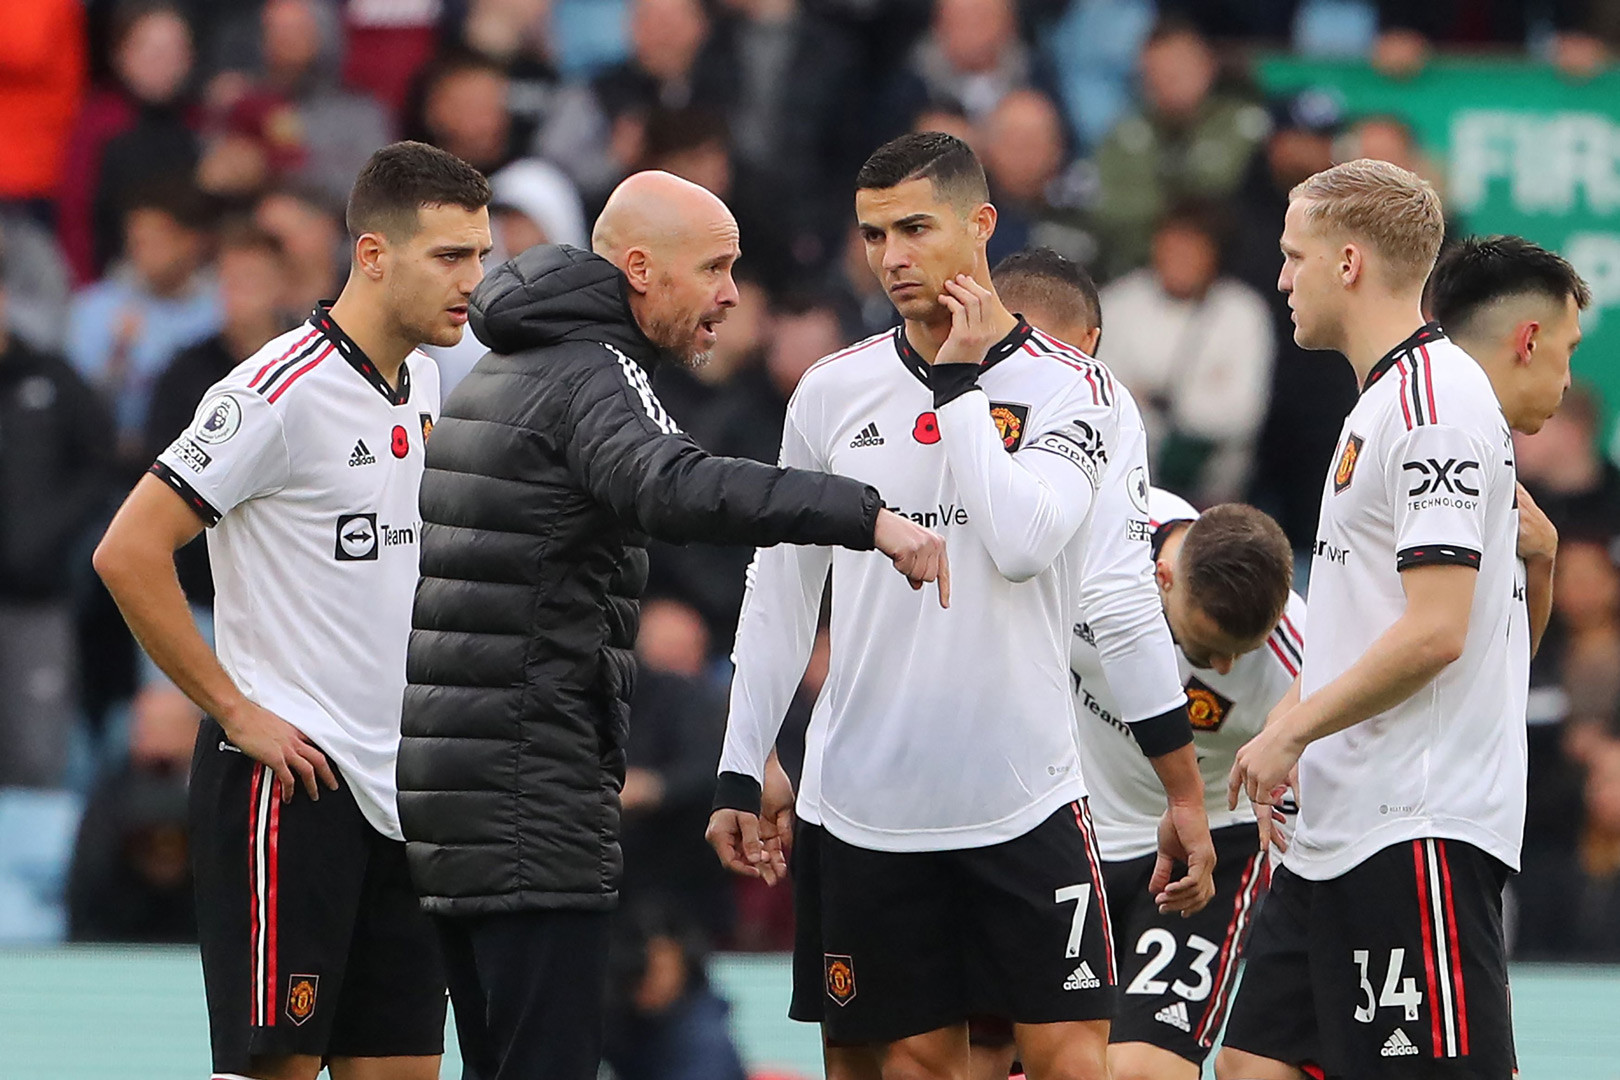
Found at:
<point>1423,474</point>
<point>307,465</point>
<point>1226,711</point>
<point>940,729</point>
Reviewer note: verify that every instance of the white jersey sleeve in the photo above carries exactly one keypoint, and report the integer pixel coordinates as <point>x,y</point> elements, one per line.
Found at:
<point>1025,507</point>
<point>775,632</point>
<point>234,450</point>
<point>1433,474</point>
<point>1119,598</point>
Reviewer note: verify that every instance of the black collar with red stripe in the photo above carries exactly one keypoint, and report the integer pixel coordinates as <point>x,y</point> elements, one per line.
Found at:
<point>1426,334</point>
<point>322,320</point>
<point>998,352</point>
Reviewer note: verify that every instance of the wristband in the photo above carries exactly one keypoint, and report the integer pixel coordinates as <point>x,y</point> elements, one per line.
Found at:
<point>736,791</point>
<point>951,381</point>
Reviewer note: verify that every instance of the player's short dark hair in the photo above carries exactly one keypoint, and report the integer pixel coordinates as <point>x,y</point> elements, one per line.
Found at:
<point>944,160</point>
<point>1475,273</point>
<point>1040,277</point>
<point>403,177</point>
<point>1237,567</point>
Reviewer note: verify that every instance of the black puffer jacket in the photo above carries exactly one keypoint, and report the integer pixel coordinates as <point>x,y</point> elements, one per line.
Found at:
<point>551,464</point>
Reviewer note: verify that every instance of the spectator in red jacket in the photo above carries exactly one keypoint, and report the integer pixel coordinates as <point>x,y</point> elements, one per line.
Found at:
<point>42,63</point>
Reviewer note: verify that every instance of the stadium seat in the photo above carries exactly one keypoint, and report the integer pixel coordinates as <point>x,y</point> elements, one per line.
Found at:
<point>37,830</point>
<point>1335,28</point>
<point>1095,47</point>
<point>589,34</point>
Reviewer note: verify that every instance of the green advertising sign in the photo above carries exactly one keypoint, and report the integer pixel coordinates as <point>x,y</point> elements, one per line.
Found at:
<point>1525,151</point>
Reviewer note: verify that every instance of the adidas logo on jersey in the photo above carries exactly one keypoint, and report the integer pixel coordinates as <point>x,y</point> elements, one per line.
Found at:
<point>1082,978</point>
<point>1175,1015</point>
<point>361,455</point>
<point>1398,1045</point>
<point>868,437</point>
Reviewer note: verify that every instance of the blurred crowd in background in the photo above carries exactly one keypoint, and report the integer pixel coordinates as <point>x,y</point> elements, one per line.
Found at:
<point>171,197</point>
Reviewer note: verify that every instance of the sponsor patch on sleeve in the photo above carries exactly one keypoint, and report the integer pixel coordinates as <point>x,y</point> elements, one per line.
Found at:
<point>189,454</point>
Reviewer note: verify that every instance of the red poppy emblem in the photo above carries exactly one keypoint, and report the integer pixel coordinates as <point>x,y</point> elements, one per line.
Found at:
<point>402,442</point>
<point>927,429</point>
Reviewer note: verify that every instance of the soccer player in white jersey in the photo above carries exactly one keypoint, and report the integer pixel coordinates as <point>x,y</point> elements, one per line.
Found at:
<point>1515,308</point>
<point>946,866</point>
<point>1224,578</point>
<point>1379,951</point>
<point>304,463</point>
<point>1058,297</point>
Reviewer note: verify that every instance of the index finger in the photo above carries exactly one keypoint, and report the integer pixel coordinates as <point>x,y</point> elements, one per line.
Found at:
<point>971,284</point>
<point>1234,782</point>
<point>944,579</point>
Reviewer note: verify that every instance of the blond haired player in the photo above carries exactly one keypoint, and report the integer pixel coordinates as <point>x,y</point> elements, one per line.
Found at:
<point>1379,952</point>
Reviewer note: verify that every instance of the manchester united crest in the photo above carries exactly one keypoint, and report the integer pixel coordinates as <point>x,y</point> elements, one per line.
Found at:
<point>301,991</point>
<point>1011,420</point>
<point>1206,710</point>
<point>840,979</point>
<point>1347,463</point>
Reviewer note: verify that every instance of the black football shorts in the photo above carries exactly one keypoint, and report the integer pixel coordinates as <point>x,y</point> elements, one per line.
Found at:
<point>312,938</point>
<point>1177,975</point>
<point>894,944</point>
<point>1396,968</point>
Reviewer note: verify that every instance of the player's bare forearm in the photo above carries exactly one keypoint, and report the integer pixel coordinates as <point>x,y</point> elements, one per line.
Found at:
<point>1405,658</point>
<point>1417,647</point>
<point>136,561</point>
<point>1538,597</point>
<point>1183,836</point>
<point>1178,772</point>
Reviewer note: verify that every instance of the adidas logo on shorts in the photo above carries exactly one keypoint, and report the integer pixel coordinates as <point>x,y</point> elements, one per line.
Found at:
<point>1082,978</point>
<point>1175,1015</point>
<point>361,455</point>
<point>1398,1045</point>
<point>868,437</point>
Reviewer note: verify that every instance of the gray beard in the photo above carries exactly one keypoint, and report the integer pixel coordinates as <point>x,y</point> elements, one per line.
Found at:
<point>662,334</point>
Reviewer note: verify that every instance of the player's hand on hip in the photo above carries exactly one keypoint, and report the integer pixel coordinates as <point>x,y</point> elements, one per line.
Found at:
<point>1538,539</point>
<point>1184,838</point>
<point>281,748</point>
<point>973,328</point>
<point>735,837</point>
<point>915,552</point>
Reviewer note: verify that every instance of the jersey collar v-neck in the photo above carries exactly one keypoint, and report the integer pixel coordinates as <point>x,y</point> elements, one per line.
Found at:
<point>322,320</point>
<point>1426,334</point>
<point>998,352</point>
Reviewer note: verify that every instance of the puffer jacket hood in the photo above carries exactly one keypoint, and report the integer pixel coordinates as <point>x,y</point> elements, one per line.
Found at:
<point>549,467</point>
<point>554,293</point>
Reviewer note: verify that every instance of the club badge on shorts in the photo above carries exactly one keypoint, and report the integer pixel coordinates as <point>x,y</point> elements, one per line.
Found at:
<point>1347,463</point>
<point>301,991</point>
<point>840,979</point>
